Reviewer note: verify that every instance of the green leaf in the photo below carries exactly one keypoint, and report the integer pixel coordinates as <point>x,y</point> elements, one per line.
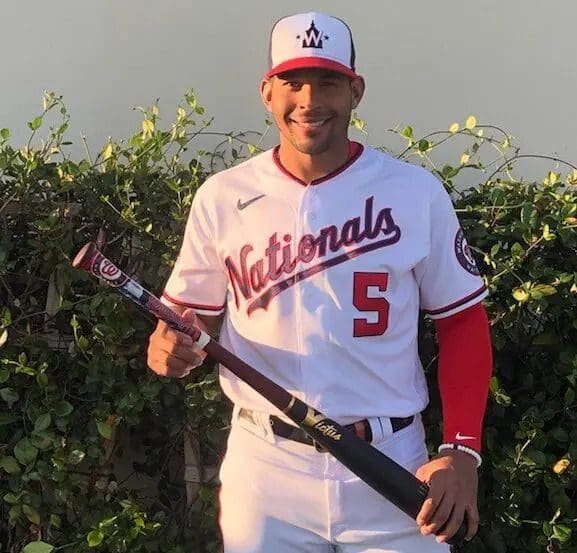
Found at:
<point>147,127</point>
<point>76,456</point>
<point>105,430</point>
<point>42,422</point>
<point>43,440</point>
<point>517,250</point>
<point>12,499</point>
<point>540,290</point>
<point>83,343</point>
<point>407,132</point>
<point>31,514</point>
<point>520,294</point>
<point>5,133</point>
<point>9,395</point>
<point>10,465</point>
<point>63,408</point>
<point>6,317</point>
<point>95,538</point>
<point>211,393</point>
<point>107,152</point>
<point>38,547</point>
<point>423,145</point>
<point>471,122</point>
<point>25,452</point>
<point>547,234</point>
<point>35,124</point>
<point>55,520</point>
<point>562,532</point>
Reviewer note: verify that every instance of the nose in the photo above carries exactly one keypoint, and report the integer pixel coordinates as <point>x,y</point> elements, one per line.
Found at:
<point>307,97</point>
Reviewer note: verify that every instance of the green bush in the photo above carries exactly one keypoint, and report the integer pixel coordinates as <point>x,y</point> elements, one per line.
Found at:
<point>75,391</point>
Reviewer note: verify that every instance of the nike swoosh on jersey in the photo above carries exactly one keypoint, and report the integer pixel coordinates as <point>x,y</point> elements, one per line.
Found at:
<point>241,205</point>
<point>460,436</point>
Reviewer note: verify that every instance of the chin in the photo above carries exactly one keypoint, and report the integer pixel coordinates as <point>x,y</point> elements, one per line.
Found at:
<point>312,148</point>
<point>312,145</point>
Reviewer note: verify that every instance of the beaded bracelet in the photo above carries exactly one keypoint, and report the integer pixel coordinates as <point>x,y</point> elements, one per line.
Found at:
<point>465,449</point>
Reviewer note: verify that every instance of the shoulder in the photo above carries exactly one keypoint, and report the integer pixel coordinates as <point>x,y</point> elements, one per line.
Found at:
<point>413,178</point>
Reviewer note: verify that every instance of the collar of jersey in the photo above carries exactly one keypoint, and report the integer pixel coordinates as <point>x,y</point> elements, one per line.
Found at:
<point>355,151</point>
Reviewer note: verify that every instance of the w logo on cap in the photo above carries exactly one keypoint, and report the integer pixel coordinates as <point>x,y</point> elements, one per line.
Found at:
<point>327,43</point>
<point>313,37</point>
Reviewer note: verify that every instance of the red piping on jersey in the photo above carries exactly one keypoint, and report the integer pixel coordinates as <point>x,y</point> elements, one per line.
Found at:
<point>355,151</point>
<point>193,305</point>
<point>458,303</point>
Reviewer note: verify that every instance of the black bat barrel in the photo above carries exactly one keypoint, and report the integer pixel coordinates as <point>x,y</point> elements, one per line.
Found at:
<point>379,471</point>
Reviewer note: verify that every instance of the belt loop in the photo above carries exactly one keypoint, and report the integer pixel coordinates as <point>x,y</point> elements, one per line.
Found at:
<point>255,422</point>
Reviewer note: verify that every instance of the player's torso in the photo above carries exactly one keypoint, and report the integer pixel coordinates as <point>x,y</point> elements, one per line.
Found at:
<point>321,290</point>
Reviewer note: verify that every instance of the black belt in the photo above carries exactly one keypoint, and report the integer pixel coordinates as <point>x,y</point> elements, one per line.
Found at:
<point>361,429</point>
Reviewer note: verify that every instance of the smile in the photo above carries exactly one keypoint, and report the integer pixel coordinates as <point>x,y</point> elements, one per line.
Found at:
<point>310,124</point>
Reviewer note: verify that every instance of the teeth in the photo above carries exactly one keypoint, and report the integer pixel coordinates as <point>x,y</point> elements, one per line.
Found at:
<point>313,124</point>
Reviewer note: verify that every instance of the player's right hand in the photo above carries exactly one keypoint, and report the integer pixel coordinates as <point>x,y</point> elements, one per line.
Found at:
<point>173,353</point>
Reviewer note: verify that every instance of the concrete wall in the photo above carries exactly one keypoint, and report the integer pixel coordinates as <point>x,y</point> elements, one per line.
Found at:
<point>511,63</point>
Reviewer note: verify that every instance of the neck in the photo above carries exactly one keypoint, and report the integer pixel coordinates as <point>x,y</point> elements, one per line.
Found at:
<point>307,167</point>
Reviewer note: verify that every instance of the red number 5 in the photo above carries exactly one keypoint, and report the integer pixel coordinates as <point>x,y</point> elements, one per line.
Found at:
<point>361,300</point>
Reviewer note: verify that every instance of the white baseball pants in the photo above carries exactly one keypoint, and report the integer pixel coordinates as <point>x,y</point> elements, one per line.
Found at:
<point>280,496</point>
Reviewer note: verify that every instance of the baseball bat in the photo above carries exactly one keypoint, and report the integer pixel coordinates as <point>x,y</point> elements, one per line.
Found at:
<point>379,471</point>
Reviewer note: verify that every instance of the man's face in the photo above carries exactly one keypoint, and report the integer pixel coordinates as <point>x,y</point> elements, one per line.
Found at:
<point>312,107</point>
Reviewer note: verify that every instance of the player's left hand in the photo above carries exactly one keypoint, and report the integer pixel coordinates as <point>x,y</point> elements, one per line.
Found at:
<point>452,477</point>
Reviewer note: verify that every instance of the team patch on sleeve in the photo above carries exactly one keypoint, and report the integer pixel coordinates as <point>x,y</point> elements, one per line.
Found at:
<point>464,254</point>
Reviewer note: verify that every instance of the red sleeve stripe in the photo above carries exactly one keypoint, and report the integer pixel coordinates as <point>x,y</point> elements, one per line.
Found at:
<point>458,303</point>
<point>193,305</point>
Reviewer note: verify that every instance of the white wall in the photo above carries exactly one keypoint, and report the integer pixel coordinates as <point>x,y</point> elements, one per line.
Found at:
<point>510,62</point>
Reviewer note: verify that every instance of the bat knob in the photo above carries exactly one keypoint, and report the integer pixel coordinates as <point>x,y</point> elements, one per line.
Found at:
<point>84,255</point>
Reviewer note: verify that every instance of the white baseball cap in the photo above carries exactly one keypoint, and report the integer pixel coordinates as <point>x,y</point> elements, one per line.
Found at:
<point>311,40</point>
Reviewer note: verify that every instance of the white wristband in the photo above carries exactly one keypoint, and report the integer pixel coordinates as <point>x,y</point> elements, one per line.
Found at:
<point>465,449</point>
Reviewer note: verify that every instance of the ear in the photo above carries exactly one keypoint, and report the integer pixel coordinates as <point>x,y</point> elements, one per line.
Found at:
<point>357,89</point>
<point>266,93</point>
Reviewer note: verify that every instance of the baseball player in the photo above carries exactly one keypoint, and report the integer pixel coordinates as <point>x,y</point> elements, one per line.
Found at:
<point>312,261</point>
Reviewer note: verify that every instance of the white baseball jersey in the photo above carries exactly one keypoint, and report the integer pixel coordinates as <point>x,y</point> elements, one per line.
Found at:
<point>321,285</point>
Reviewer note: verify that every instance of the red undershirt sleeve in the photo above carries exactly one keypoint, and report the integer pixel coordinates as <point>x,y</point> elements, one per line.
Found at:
<point>465,367</point>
